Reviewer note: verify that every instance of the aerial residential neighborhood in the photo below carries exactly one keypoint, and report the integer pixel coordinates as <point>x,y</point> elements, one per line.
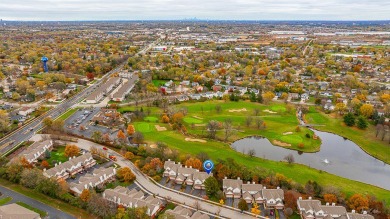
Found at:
<point>195,110</point>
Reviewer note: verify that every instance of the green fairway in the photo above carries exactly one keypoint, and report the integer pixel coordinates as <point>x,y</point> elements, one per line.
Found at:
<point>364,138</point>
<point>278,108</point>
<point>36,210</point>
<point>5,200</point>
<point>143,127</point>
<point>191,120</point>
<point>151,119</point>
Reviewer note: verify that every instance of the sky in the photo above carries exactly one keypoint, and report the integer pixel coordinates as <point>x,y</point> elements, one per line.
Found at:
<point>70,10</point>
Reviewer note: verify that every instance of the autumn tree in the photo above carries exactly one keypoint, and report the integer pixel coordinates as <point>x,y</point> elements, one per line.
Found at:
<point>330,198</point>
<point>85,195</point>
<point>194,163</point>
<point>45,164</point>
<point>165,118</point>
<point>121,136</point>
<point>129,155</point>
<point>358,202</point>
<point>4,121</point>
<point>125,174</point>
<point>268,96</point>
<point>97,136</point>
<point>212,127</point>
<point>367,110</point>
<point>242,205</point>
<point>138,137</point>
<point>71,151</point>
<point>156,164</point>
<point>255,209</point>
<point>130,129</point>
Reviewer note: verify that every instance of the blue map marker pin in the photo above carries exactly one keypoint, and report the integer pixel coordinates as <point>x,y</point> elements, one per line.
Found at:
<point>208,166</point>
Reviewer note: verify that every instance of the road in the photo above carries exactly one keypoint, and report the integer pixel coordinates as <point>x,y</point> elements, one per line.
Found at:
<point>16,197</point>
<point>147,185</point>
<point>24,133</point>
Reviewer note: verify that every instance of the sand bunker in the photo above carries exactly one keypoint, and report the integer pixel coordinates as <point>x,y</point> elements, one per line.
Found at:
<point>195,140</point>
<point>200,125</point>
<point>279,143</point>
<point>238,110</point>
<point>160,128</point>
<point>197,117</point>
<point>153,146</point>
<point>287,133</point>
<point>269,111</point>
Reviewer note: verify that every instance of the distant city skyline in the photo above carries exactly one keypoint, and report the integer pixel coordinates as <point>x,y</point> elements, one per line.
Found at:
<point>73,10</point>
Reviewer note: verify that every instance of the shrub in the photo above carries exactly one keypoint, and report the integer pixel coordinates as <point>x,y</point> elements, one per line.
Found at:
<point>301,145</point>
<point>307,135</point>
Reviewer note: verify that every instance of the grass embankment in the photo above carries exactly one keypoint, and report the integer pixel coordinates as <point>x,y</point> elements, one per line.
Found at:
<point>68,114</point>
<point>277,124</point>
<point>55,203</point>
<point>5,200</point>
<point>364,138</point>
<point>36,210</point>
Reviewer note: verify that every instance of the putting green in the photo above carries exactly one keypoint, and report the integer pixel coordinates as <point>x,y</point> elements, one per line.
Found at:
<point>151,119</point>
<point>278,108</point>
<point>191,120</point>
<point>292,139</point>
<point>143,127</point>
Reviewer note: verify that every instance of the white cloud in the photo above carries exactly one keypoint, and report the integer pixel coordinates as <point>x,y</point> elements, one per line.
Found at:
<point>204,9</point>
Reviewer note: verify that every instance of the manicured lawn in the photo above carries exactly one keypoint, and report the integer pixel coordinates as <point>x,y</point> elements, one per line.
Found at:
<point>68,114</point>
<point>364,138</point>
<point>143,127</point>
<point>36,210</point>
<point>190,120</point>
<point>5,200</point>
<point>292,139</point>
<point>58,154</point>
<point>55,203</point>
<point>151,119</point>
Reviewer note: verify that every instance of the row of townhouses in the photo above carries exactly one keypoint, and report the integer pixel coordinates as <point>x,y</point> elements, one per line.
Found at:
<point>188,175</point>
<point>184,213</point>
<point>251,192</point>
<point>37,150</point>
<point>71,167</point>
<point>133,199</point>
<point>103,90</point>
<point>96,179</point>
<point>313,209</point>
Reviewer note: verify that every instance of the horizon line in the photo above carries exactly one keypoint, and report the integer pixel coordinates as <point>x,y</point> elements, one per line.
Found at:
<point>196,19</point>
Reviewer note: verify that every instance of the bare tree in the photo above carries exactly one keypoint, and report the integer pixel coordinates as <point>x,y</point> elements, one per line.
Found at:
<point>218,108</point>
<point>256,111</point>
<point>212,128</point>
<point>251,153</point>
<point>385,130</point>
<point>228,126</point>
<point>290,158</point>
<point>379,128</point>
<point>248,121</point>
<point>259,123</point>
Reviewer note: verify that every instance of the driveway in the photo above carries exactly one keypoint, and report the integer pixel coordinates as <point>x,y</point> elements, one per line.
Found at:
<point>52,212</point>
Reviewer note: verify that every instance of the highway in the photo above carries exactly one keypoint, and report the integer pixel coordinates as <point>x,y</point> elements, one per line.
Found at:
<point>25,132</point>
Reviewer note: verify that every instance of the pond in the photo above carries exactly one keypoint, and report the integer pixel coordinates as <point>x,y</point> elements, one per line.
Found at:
<point>338,156</point>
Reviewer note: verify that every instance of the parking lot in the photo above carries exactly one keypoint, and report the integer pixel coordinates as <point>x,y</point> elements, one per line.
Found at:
<point>83,117</point>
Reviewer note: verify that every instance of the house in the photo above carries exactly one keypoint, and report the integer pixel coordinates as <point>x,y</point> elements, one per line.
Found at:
<point>25,111</point>
<point>125,74</point>
<point>171,169</point>
<point>103,90</point>
<point>354,215</point>
<point>133,199</point>
<point>198,179</point>
<point>182,98</point>
<point>96,179</point>
<point>15,211</point>
<point>184,173</point>
<point>273,198</point>
<point>185,83</point>
<point>183,213</point>
<point>71,167</point>
<point>232,187</point>
<point>124,90</point>
<point>328,105</point>
<point>36,150</point>
<point>106,116</point>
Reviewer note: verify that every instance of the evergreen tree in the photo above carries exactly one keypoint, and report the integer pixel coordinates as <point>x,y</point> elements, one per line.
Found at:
<point>349,119</point>
<point>362,123</point>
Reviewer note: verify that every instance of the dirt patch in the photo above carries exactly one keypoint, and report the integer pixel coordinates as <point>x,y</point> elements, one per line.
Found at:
<point>269,111</point>
<point>287,133</point>
<point>200,125</point>
<point>197,117</point>
<point>279,143</point>
<point>238,110</point>
<point>153,146</point>
<point>160,128</point>
<point>195,140</point>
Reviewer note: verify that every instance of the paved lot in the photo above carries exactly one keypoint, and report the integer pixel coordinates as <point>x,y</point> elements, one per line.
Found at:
<point>52,212</point>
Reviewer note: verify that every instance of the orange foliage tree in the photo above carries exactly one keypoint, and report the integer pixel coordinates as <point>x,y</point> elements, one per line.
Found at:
<point>85,195</point>
<point>130,129</point>
<point>358,202</point>
<point>121,135</point>
<point>129,155</point>
<point>194,163</point>
<point>45,164</point>
<point>330,198</point>
<point>71,150</point>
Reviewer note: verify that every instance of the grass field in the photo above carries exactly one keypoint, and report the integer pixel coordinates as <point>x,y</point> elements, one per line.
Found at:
<point>151,119</point>
<point>276,124</point>
<point>364,138</point>
<point>68,114</point>
<point>5,200</point>
<point>190,120</point>
<point>36,210</point>
<point>143,127</point>
<point>55,203</point>
<point>58,155</point>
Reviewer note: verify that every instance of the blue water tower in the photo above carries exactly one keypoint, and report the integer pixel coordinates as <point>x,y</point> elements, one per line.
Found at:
<point>44,61</point>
